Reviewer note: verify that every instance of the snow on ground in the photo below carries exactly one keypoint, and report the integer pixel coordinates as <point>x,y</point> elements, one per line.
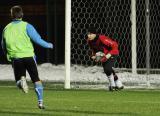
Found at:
<point>94,74</point>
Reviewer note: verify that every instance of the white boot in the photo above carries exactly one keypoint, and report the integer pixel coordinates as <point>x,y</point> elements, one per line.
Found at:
<point>23,84</point>
<point>119,84</point>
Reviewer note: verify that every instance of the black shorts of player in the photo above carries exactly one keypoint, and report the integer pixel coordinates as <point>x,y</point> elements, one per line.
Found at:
<point>108,65</point>
<point>21,65</point>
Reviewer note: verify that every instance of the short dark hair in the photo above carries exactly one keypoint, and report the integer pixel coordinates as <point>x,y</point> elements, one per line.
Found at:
<point>16,12</point>
<point>92,30</point>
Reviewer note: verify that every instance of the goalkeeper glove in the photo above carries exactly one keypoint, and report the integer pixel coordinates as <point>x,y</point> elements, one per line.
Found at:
<point>105,57</point>
<point>93,57</point>
<point>99,56</point>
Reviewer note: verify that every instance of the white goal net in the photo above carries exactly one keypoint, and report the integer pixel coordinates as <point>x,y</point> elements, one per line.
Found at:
<point>114,18</point>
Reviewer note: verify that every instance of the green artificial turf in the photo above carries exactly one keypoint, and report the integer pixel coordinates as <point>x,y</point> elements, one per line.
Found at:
<point>59,102</point>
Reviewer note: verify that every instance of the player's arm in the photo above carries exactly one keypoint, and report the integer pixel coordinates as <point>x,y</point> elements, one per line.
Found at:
<point>35,37</point>
<point>113,44</point>
<point>110,43</point>
<point>4,48</point>
<point>3,44</point>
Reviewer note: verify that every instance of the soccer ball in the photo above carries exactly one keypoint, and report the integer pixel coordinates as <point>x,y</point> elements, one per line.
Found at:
<point>99,55</point>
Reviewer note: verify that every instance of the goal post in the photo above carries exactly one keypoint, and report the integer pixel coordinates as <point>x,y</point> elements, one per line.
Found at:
<point>134,45</point>
<point>67,43</point>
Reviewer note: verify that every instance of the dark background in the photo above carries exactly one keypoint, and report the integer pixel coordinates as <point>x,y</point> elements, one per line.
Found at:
<point>48,18</point>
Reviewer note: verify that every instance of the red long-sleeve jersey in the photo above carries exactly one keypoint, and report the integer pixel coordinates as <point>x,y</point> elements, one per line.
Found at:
<point>104,44</point>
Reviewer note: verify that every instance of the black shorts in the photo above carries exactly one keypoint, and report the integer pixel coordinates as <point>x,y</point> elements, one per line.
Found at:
<point>108,66</point>
<point>21,65</point>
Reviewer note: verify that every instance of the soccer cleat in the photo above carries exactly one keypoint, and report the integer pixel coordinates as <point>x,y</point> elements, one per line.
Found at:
<point>119,88</point>
<point>24,85</point>
<point>119,85</point>
<point>111,88</point>
<point>41,106</point>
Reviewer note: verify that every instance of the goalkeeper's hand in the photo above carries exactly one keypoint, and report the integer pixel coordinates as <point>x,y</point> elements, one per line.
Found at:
<point>93,57</point>
<point>105,57</point>
<point>99,55</point>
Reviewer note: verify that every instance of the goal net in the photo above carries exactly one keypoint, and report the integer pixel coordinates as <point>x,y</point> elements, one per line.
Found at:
<point>114,19</point>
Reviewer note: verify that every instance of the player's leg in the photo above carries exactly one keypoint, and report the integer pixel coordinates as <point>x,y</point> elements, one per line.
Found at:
<point>33,72</point>
<point>107,66</point>
<point>118,83</point>
<point>20,74</point>
<point>39,91</point>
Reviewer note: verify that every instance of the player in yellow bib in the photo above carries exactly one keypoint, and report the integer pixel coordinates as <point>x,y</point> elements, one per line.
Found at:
<point>17,40</point>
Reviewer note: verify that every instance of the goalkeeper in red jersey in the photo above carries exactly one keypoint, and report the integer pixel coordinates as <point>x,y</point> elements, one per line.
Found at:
<point>105,50</point>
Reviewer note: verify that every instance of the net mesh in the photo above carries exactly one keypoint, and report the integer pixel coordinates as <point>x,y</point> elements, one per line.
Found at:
<point>113,18</point>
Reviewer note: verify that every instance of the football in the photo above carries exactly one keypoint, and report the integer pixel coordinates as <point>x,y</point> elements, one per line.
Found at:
<point>99,55</point>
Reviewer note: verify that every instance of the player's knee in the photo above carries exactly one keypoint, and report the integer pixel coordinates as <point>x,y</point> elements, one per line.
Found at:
<point>108,72</point>
<point>38,84</point>
<point>36,80</point>
<point>115,77</point>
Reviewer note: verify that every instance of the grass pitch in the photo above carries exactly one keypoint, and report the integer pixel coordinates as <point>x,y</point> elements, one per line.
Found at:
<point>59,102</point>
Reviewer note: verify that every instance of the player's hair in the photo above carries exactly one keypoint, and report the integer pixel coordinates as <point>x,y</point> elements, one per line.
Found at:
<point>92,30</point>
<point>16,12</point>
